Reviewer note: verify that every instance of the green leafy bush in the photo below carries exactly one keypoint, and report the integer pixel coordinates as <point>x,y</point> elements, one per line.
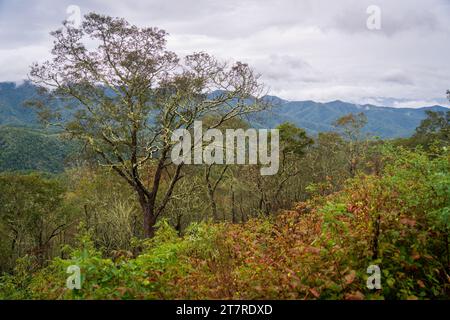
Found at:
<point>398,220</point>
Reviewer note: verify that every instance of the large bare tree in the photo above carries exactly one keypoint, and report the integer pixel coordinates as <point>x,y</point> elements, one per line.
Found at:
<point>127,93</point>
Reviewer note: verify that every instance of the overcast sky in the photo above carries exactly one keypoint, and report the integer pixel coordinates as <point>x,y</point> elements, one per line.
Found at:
<point>318,50</point>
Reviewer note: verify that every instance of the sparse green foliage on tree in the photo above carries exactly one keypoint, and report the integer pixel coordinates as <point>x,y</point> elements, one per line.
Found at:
<point>351,127</point>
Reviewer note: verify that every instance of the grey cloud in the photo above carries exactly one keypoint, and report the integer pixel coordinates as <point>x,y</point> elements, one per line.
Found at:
<point>309,49</point>
<point>285,68</point>
<point>397,76</point>
<point>396,16</point>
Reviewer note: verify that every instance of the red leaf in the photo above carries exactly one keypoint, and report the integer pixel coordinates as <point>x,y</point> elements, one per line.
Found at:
<point>314,292</point>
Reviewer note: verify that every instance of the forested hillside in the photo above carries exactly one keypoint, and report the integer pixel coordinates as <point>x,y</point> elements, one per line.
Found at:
<point>158,203</point>
<point>12,104</point>
<point>397,219</point>
<point>309,233</point>
<point>26,149</point>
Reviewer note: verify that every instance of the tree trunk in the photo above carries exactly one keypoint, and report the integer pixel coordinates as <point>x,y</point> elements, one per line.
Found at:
<point>233,207</point>
<point>212,202</point>
<point>376,237</point>
<point>149,220</point>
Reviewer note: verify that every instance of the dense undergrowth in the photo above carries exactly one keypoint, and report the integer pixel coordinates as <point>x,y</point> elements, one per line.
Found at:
<point>398,220</point>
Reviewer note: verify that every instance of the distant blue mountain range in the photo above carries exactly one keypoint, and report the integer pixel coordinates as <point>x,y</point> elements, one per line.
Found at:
<point>313,116</point>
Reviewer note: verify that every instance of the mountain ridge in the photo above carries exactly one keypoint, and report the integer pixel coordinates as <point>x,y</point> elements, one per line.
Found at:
<point>386,122</point>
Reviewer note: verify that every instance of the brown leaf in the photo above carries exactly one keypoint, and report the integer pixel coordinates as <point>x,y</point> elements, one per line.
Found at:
<point>420,283</point>
<point>408,222</point>
<point>354,296</point>
<point>349,278</point>
<point>312,250</point>
<point>314,292</point>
